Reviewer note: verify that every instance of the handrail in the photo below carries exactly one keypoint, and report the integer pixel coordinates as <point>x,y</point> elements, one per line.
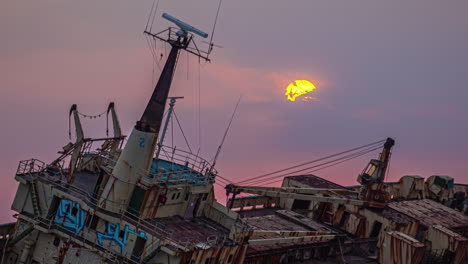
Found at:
<point>30,166</point>
<point>183,156</point>
<point>183,176</point>
<point>37,169</point>
<point>140,223</point>
<point>49,224</point>
<point>158,230</point>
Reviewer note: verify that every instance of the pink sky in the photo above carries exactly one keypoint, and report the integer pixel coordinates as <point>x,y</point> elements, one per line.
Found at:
<point>395,69</point>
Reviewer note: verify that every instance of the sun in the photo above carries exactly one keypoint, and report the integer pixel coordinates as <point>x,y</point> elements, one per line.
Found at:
<point>298,88</point>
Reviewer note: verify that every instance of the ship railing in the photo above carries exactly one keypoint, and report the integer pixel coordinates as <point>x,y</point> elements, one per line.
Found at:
<point>187,159</point>
<point>108,254</point>
<point>36,168</point>
<point>177,177</point>
<point>170,177</point>
<point>30,166</point>
<point>159,230</point>
<point>48,223</point>
<point>186,167</point>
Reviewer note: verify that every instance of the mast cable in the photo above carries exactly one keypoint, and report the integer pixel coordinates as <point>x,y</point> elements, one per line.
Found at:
<point>199,106</point>
<point>172,132</point>
<point>154,15</point>
<point>225,133</point>
<point>214,24</point>
<point>148,41</point>
<point>181,130</point>
<point>149,17</point>
<point>153,46</point>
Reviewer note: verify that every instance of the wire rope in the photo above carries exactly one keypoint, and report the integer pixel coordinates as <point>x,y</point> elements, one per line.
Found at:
<point>154,15</point>
<point>149,17</point>
<point>309,162</point>
<point>356,155</point>
<point>214,24</point>
<point>183,134</point>
<point>321,164</point>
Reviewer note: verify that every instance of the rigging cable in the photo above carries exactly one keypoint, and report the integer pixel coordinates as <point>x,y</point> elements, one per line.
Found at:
<point>85,116</point>
<point>183,134</point>
<point>226,180</point>
<point>149,17</point>
<point>172,131</point>
<point>356,155</point>
<point>154,15</point>
<point>91,116</point>
<point>223,181</point>
<point>148,41</point>
<point>154,46</point>
<point>315,166</point>
<point>214,24</point>
<point>225,133</point>
<point>309,162</point>
<point>199,106</point>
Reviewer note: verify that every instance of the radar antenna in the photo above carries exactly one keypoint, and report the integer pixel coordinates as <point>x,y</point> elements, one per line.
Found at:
<point>182,35</point>
<point>137,155</point>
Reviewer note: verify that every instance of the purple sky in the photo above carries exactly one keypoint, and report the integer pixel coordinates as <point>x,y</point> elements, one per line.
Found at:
<point>383,68</point>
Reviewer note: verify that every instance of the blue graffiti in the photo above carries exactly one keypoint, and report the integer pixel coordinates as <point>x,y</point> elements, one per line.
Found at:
<point>113,232</point>
<point>142,142</point>
<point>70,216</point>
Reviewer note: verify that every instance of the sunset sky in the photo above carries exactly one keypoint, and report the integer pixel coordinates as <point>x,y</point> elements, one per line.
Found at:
<point>382,69</point>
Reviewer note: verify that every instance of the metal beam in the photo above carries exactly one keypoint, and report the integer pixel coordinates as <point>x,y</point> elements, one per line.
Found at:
<point>298,190</point>
<point>267,241</point>
<point>289,233</point>
<point>289,193</point>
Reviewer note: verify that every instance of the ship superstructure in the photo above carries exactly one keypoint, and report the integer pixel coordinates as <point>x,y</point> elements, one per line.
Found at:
<point>119,203</point>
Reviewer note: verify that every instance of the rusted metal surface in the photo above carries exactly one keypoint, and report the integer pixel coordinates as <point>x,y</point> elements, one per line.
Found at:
<point>396,216</point>
<point>398,248</point>
<point>284,220</point>
<point>411,187</point>
<point>315,182</point>
<point>227,255</point>
<point>323,252</point>
<point>288,233</point>
<point>253,201</point>
<point>280,230</point>
<point>197,232</point>
<point>430,213</point>
<point>290,193</point>
<point>439,187</point>
<point>294,240</point>
<point>302,190</point>
<point>273,222</point>
<point>356,225</point>
<point>442,238</point>
<point>303,221</point>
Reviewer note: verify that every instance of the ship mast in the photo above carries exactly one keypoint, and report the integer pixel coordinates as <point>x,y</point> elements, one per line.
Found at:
<point>135,160</point>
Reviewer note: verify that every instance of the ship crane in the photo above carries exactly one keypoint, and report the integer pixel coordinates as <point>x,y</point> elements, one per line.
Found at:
<point>373,176</point>
<point>372,194</point>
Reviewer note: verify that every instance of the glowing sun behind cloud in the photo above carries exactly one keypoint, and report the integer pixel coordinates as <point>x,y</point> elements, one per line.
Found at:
<point>298,88</point>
